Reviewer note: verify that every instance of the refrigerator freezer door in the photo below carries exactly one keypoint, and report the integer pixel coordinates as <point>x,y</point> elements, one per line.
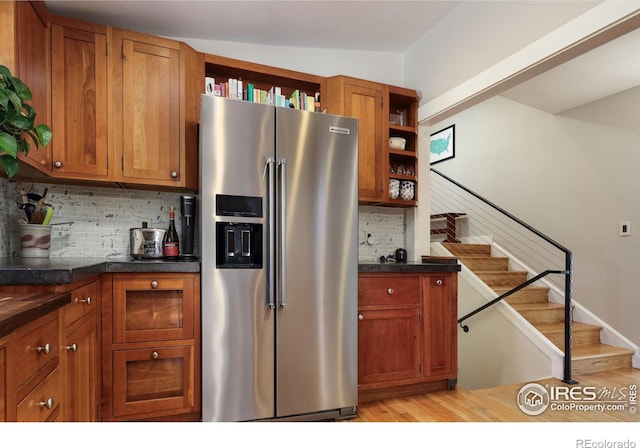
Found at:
<point>316,337</point>
<point>236,140</point>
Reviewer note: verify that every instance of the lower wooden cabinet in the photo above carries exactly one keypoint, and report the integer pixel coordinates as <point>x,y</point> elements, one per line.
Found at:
<point>80,352</point>
<point>151,347</point>
<point>37,374</point>
<point>3,379</point>
<point>407,333</point>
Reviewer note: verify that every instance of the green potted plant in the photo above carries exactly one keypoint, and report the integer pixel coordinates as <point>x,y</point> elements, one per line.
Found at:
<point>17,121</point>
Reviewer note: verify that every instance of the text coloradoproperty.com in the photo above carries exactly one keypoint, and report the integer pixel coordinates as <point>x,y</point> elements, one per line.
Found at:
<point>587,407</point>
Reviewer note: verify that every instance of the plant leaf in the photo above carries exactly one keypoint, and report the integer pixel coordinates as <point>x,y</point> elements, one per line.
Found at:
<point>8,144</point>
<point>10,165</point>
<point>4,100</point>
<point>44,134</point>
<point>21,89</point>
<point>14,99</point>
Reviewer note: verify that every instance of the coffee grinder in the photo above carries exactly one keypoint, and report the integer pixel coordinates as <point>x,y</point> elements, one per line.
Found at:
<point>188,220</point>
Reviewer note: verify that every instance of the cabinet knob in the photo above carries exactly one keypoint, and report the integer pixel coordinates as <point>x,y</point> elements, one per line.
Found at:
<point>360,317</point>
<point>86,301</point>
<point>46,349</point>
<point>72,348</point>
<point>390,291</point>
<point>57,164</point>
<point>439,282</point>
<point>154,284</point>
<point>155,355</point>
<point>174,174</point>
<point>48,403</point>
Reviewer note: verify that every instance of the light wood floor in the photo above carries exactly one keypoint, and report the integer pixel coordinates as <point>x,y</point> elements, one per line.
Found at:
<point>499,404</point>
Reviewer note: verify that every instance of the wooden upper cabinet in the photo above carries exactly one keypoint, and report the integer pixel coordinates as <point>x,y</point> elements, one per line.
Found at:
<point>79,97</point>
<point>363,100</point>
<point>32,66</point>
<point>154,110</point>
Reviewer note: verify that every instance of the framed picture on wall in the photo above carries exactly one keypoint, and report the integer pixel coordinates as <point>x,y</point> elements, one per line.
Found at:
<point>442,144</point>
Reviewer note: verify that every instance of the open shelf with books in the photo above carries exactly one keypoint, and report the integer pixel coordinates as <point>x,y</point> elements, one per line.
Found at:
<point>263,78</point>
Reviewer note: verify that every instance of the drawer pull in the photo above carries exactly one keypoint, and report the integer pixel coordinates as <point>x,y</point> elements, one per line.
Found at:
<point>154,284</point>
<point>48,403</point>
<point>439,282</point>
<point>155,355</point>
<point>360,317</point>
<point>46,349</point>
<point>72,348</point>
<point>174,174</point>
<point>86,301</point>
<point>390,291</point>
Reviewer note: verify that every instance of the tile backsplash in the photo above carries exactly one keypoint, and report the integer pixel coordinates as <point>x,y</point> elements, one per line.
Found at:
<point>386,225</point>
<point>100,219</point>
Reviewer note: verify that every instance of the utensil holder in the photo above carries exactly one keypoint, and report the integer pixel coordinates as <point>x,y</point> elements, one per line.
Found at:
<point>35,240</point>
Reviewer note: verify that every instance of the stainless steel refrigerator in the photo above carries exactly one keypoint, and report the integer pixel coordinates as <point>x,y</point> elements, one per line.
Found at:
<point>279,224</point>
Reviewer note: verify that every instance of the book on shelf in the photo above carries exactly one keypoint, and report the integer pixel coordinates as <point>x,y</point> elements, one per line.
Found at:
<point>235,88</point>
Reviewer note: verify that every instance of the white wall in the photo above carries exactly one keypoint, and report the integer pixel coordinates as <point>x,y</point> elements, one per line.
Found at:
<point>573,176</point>
<point>495,351</point>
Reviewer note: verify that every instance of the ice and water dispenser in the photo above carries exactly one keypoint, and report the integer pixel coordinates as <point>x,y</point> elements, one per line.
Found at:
<point>239,244</point>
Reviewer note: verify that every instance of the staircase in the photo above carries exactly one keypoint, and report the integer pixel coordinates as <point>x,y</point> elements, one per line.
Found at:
<point>589,355</point>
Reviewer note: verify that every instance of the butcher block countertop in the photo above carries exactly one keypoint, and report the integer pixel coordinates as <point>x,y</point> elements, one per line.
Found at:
<point>19,309</point>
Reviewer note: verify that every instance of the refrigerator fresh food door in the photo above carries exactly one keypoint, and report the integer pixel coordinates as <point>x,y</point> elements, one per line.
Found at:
<point>316,337</point>
<point>236,141</point>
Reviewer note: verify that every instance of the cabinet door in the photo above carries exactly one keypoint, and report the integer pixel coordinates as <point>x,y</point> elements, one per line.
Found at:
<point>153,379</point>
<point>34,68</point>
<point>3,390</point>
<point>366,104</point>
<point>80,351</point>
<point>79,83</point>
<point>148,112</point>
<point>153,308</point>
<point>389,347</point>
<point>440,329</point>
<point>43,403</point>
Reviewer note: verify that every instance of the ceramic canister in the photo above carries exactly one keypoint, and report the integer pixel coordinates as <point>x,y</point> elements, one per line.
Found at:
<point>407,190</point>
<point>394,188</point>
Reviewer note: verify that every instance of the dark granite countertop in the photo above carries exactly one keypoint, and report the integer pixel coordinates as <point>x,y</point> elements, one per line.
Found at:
<point>63,270</point>
<point>428,264</point>
<point>19,309</point>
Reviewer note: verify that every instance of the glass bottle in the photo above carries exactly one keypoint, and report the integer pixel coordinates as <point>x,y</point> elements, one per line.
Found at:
<point>171,244</point>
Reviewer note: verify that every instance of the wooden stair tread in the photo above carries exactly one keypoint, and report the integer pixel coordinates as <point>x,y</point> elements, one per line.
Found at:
<point>467,249</point>
<point>536,306</point>
<point>587,351</point>
<point>503,289</point>
<point>558,327</point>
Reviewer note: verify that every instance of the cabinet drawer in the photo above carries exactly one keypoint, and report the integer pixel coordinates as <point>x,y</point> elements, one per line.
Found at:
<point>153,379</point>
<point>36,347</point>
<point>83,301</point>
<point>391,291</point>
<point>43,403</point>
<point>153,308</point>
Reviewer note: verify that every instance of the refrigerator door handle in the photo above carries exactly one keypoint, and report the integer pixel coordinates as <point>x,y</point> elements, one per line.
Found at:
<point>282,163</point>
<point>271,215</point>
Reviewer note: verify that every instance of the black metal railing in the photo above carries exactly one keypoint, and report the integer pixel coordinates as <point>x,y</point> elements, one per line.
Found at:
<point>567,272</point>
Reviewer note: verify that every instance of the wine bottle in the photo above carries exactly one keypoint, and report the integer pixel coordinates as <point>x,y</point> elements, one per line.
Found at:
<point>170,243</point>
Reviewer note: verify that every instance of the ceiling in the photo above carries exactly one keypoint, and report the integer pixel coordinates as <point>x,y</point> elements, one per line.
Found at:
<point>382,26</point>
